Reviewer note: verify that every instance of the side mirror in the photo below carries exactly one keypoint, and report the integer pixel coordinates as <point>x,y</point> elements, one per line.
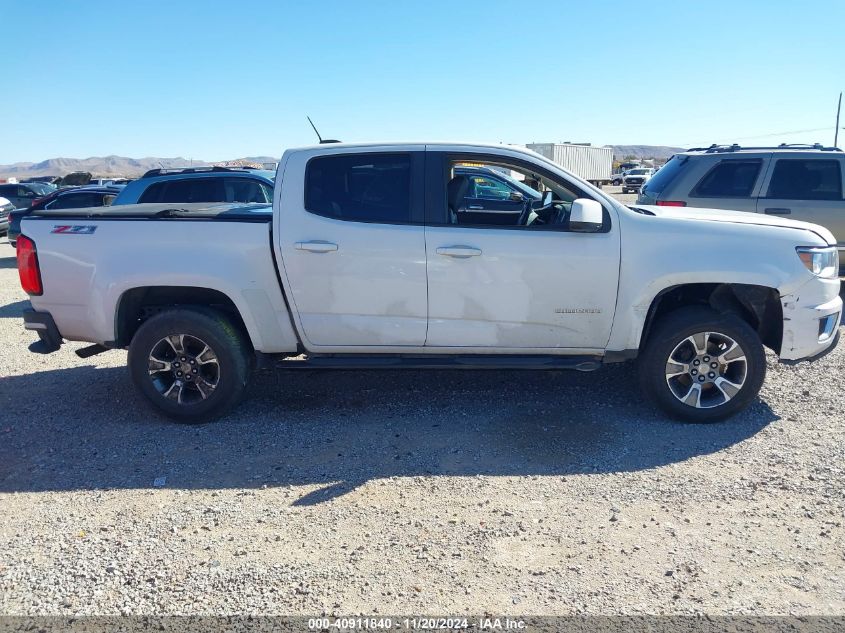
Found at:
<point>586,216</point>
<point>516,196</point>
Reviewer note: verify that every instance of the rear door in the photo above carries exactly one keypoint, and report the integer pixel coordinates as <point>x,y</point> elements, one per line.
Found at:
<point>807,188</point>
<point>10,192</point>
<point>16,195</point>
<point>352,243</point>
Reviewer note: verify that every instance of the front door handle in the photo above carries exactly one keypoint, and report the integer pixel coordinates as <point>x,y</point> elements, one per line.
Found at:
<point>778,211</point>
<point>475,207</point>
<point>316,246</point>
<point>461,252</point>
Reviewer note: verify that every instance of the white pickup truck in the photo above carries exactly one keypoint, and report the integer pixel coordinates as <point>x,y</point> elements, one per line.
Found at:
<point>373,256</point>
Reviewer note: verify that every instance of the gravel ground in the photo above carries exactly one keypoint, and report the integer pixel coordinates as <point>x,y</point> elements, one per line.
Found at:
<point>411,493</point>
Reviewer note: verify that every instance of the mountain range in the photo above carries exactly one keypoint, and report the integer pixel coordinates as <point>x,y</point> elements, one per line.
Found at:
<point>108,166</point>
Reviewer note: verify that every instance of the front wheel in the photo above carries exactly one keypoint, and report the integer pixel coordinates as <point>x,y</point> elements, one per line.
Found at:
<point>702,366</point>
<point>191,364</point>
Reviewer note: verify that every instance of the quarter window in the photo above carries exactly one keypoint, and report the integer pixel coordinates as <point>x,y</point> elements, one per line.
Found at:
<point>729,179</point>
<point>795,179</point>
<point>360,187</point>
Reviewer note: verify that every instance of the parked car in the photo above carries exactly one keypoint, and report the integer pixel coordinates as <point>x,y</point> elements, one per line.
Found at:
<point>22,194</point>
<point>5,208</point>
<point>616,178</point>
<point>200,184</point>
<point>72,198</point>
<point>362,262</point>
<point>801,182</point>
<point>493,196</point>
<point>636,178</point>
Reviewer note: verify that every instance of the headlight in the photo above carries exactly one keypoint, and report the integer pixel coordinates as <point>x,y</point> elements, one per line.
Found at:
<point>823,262</point>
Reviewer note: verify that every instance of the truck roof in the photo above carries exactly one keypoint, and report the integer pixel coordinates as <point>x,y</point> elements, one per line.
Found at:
<point>478,145</point>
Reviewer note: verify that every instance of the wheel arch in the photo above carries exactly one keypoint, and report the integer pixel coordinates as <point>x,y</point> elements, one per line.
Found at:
<point>136,305</point>
<point>759,306</point>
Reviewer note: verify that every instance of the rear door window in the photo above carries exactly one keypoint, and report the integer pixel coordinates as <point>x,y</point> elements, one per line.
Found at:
<point>729,179</point>
<point>245,190</point>
<point>360,187</point>
<point>186,191</point>
<point>806,179</point>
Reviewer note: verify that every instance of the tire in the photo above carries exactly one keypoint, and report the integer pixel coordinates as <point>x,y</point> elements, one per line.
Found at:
<point>670,367</point>
<point>624,190</point>
<point>215,355</point>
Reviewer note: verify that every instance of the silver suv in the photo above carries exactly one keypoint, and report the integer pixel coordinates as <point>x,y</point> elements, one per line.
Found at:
<point>802,182</point>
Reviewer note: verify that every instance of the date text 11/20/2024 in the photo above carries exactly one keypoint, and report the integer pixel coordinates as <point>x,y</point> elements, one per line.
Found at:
<point>420,623</point>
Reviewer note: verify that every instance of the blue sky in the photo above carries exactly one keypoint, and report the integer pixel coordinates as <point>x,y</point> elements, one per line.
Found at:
<point>215,80</point>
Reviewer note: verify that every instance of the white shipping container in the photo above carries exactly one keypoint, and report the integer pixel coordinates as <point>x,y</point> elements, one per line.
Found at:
<point>586,161</point>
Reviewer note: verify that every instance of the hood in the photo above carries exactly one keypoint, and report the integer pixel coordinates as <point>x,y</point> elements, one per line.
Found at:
<point>735,217</point>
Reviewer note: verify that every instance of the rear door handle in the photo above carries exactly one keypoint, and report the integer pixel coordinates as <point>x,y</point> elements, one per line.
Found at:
<point>461,252</point>
<point>778,211</point>
<point>316,246</point>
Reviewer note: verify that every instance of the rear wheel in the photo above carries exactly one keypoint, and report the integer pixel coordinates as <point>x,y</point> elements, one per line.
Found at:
<point>702,366</point>
<point>191,364</point>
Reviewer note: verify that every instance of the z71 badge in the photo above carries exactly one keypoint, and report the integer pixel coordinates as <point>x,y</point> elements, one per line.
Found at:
<point>75,229</point>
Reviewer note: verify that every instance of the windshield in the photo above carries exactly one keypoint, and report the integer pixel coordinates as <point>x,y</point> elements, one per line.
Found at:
<point>525,189</point>
<point>41,188</point>
<point>638,172</point>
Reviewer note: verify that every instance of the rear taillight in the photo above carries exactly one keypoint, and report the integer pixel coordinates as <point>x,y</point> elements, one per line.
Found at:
<point>28,266</point>
<point>671,203</point>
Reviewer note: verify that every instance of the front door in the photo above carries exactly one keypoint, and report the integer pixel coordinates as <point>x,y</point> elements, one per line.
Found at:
<point>353,247</point>
<point>538,286</point>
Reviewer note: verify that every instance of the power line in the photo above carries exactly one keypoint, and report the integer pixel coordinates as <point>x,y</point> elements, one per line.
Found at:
<point>748,138</point>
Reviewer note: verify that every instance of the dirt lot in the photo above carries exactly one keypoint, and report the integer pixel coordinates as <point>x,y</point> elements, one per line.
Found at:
<point>409,493</point>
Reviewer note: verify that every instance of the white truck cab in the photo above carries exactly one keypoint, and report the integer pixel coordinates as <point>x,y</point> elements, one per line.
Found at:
<point>373,257</point>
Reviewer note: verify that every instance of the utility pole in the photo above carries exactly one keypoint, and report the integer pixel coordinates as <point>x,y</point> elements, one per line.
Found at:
<point>836,134</point>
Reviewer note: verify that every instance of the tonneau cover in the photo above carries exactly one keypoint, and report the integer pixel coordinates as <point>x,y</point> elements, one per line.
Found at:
<point>236,211</point>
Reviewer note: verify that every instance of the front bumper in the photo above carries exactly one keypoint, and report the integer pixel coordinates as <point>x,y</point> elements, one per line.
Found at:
<point>810,328</point>
<point>49,338</point>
